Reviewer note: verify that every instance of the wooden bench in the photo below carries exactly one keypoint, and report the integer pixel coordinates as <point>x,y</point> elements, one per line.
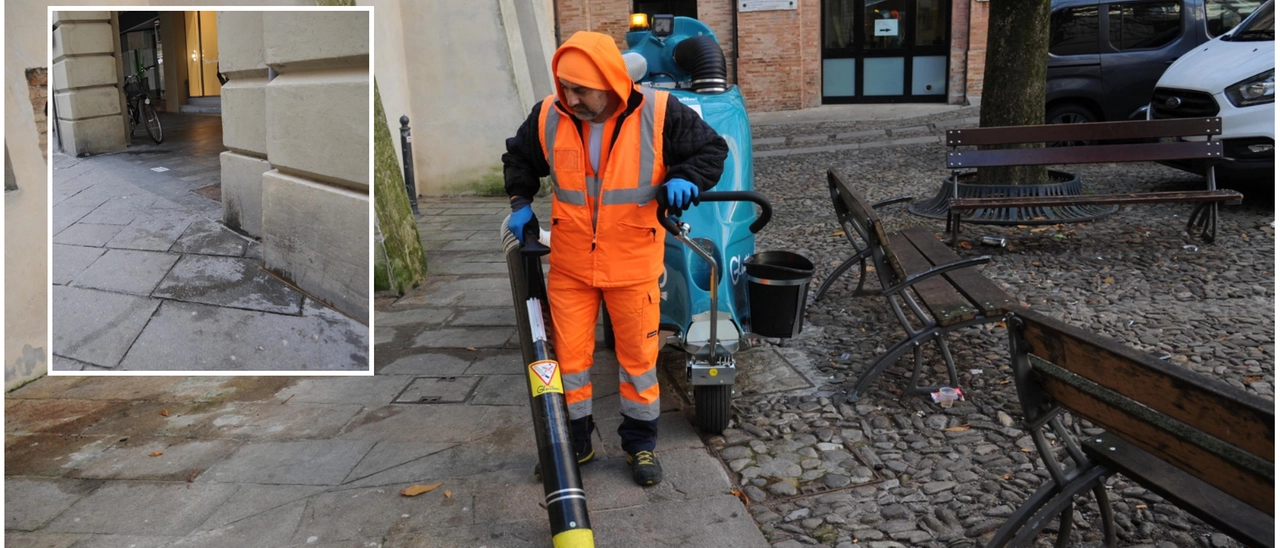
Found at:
<point>1199,443</point>
<point>932,290</point>
<point>1204,218</point>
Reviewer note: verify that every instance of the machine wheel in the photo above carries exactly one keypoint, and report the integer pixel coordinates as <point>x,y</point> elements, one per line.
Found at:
<point>152,121</point>
<point>711,407</point>
<point>1070,113</point>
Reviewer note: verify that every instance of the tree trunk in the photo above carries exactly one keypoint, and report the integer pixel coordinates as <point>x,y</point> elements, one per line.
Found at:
<point>1013,84</point>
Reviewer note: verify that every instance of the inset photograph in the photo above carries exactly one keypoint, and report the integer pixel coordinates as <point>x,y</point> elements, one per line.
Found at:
<point>210,198</point>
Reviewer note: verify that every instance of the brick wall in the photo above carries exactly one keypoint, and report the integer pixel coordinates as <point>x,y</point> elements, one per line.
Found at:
<point>612,17</point>
<point>779,58</point>
<point>977,58</point>
<point>38,86</point>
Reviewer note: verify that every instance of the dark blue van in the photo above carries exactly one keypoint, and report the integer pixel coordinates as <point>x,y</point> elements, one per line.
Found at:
<point>1106,56</point>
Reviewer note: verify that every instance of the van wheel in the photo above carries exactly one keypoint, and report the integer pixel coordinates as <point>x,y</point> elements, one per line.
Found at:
<point>1070,113</point>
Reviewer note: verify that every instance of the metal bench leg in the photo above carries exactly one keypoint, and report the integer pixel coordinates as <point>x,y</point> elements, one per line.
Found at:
<point>883,362</point>
<point>862,274</point>
<point>919,366</point>
<point>1203,223</point>
<point>1047,502</point>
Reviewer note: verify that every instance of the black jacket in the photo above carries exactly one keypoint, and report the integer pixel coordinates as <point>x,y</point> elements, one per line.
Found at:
<point>692,150</point>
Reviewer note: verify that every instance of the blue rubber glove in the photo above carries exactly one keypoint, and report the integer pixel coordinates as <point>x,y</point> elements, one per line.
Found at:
<point>680,193</point>
<point>518,219</point>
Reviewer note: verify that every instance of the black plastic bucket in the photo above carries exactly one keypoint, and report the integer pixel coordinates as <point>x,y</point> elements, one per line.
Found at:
<point>777,283</point>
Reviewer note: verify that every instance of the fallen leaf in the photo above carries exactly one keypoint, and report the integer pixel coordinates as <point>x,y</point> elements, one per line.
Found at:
<point>746,501</point>
<point>415,490</point>
<point>834,234</point>
<point>964,244</point>
<point>157,453</point>
<point>960,428</point>
<point>448,494</point>
<point>1140,506</point>
<point>1041,229</point>
<point>1026,449</point>
<point>164,412</point>
<point>1252,379</point>
<point>1007,476</point>
<point>192,476</point>
<point>1108,280</point>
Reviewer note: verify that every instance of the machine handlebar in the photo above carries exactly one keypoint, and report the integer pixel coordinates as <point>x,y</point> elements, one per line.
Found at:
<point>766,210</point>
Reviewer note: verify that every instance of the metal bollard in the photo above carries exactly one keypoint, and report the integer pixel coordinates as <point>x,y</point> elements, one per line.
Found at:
<point>406,145</point>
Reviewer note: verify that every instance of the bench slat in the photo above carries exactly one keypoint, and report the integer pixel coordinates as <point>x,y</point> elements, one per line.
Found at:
<point>948,306</point>
<point>1237,480</point>
<point>1090,154</point>
<point>1235,416</point>
<point>983,293</point>
<point>1231,197</point>
<point>1101,131</point>
<point>1202,500</point>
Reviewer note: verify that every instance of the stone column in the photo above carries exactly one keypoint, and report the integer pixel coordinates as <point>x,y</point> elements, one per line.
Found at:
<point>244,128</point>
<point>86,82</point>
<point>315,203</point>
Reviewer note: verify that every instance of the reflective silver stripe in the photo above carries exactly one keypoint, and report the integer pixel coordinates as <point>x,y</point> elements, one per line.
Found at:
<point>571,197</point>
<point>576,380</point>
<point>646,139</point>
<point>641,383</point>
<point>565,497</point>
<point>639,411</point>
<point>549,141</point>
<point>639,196</point>
<point>566,493</point>
<point>580,409</point>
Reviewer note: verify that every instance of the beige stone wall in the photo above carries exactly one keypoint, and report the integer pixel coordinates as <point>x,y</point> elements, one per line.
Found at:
<point>466,81</point>
<point>86,79</point>
<point>296,172</point>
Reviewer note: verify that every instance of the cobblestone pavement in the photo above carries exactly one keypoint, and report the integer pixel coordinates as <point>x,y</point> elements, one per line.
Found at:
<point>897,470</point>
<point>146,277</point>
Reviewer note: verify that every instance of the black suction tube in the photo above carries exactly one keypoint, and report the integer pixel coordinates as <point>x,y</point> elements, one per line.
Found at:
<point>702,58</point>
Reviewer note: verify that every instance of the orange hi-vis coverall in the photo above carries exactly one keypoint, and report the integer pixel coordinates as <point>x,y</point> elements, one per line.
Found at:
<point>606,240</point>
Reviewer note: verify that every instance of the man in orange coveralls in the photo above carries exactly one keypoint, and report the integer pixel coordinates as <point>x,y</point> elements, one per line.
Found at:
<point>614,146</point>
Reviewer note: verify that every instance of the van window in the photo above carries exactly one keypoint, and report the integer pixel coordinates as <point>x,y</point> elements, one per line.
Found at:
<point>1074,31</point>
<point>1223,15</point>
<point>1144,25</point>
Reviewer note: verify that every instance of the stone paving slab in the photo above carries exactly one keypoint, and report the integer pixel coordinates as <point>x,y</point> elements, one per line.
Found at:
<point>54,496</point>
<point>261,421</point>
<point>65,216</point>
<point>127,271</point>
<point>371,391</point>
<point>197,337</point>
<point>205,237</point>
<point>473,337</point>
<point>484,317</point>
<point>271,527</point>
<point>124,508</point>
<point>719,522</point>
<point>28,454</point>
<point>177,460</point>
<point>70,260</point>
<point>153,230</point>
<point>97,327</point>
<point>387,455</point>
<point>40,540</point>
<point>430,363</point>
<point>231,282</point>
<point>87,234</point>
<point>314,462</point>
<point>415,317</point>
<point>502,390</point>
<point>119,210</point>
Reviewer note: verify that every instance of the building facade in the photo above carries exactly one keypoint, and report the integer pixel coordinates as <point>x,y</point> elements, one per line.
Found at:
<point>794,54</point>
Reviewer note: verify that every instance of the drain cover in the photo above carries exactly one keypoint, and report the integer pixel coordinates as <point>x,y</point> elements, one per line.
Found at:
<point>438,390</point>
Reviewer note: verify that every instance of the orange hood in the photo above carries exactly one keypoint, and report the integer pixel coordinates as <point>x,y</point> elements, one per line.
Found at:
<point>603,51</point>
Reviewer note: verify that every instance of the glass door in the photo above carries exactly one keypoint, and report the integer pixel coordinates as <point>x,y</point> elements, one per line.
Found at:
<point>884,51</point>
<point>202,54</point>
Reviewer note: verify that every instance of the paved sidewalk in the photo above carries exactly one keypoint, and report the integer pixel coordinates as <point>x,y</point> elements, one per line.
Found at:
<point>146,278</point>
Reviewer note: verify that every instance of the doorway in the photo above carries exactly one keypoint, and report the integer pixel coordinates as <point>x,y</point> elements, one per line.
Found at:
<point>202,54</point>
<point>885,51</point>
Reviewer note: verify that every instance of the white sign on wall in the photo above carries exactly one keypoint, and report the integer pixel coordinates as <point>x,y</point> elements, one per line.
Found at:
<point>886,27</point>
<point>766,5</point>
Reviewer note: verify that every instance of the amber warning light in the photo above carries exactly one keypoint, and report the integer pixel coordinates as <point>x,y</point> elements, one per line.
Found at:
<point>639,21</point>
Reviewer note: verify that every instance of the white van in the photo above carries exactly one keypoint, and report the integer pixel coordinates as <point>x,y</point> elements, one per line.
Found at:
<point>1232,77</point>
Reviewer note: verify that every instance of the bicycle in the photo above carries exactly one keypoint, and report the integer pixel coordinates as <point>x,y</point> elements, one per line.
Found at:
<point>139,101</point>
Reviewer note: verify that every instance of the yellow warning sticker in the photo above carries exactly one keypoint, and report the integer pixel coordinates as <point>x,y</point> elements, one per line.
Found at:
<point>544,377</point>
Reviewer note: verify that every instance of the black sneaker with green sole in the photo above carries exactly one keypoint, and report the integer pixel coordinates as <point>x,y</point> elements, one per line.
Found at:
<point>645,469</point>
